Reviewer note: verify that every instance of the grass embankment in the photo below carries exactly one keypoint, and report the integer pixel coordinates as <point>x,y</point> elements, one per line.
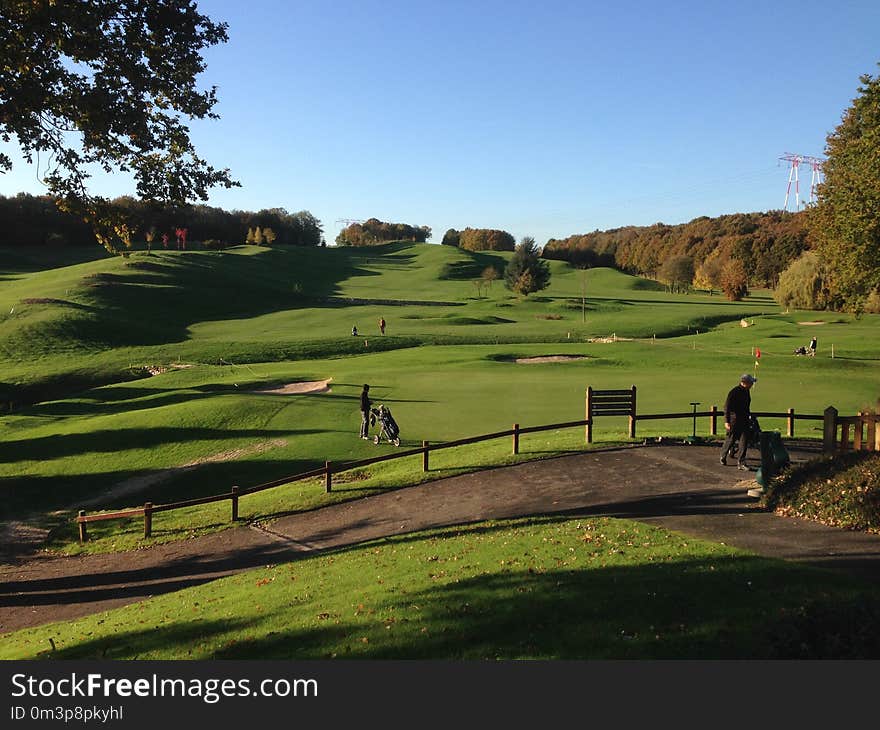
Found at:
<point>841,491</point>
<point>549,588</point>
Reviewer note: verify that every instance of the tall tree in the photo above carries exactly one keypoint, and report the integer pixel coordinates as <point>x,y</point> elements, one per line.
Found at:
<point>735,280</point>
<point>87,83</point>
<point>450,238</point>
<point>526,272</point>
<point>678,272</point>
<point>803,284</point>
<point>845,220</point>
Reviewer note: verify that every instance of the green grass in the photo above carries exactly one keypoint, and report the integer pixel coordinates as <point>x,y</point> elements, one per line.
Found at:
<point>549,588</point>
<point>85,423</point>
<point>78,339</point>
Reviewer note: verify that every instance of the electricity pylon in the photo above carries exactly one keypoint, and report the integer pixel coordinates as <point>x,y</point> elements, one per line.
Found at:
<point>815,180</point>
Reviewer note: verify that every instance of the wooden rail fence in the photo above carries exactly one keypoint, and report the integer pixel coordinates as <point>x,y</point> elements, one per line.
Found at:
<point>863,426</point>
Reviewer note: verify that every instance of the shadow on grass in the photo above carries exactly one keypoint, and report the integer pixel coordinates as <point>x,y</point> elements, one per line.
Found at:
<point>103,584</point>
<point>33,494</point>
<point>113,440</point>
<point>131,644</point>
<point>726,608</point>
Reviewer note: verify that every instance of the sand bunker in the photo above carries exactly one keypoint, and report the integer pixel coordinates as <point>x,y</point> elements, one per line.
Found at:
<point>810,323</point>
<point>550,358</point>
<point>312,386</point>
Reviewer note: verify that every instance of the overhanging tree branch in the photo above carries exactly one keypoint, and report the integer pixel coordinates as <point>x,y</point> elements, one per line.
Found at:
<point>107,82</point>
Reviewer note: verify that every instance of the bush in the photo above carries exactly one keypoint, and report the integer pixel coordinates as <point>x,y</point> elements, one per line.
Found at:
<point>214,245</point>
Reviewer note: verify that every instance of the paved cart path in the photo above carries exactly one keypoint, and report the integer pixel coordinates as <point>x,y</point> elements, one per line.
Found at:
<point>679,487</point>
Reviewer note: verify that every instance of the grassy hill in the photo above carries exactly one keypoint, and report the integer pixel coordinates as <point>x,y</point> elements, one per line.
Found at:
<point>80,342</point>
<point>144,378</point>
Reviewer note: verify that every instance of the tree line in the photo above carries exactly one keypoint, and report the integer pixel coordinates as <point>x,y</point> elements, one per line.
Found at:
<point>373,232</point>
<point>31,220</point>
<point>728,253</point>
<point>479,239</point>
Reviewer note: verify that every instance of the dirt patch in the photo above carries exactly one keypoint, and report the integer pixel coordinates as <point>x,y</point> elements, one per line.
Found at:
<point>609,339</point>
<point>812,323</point>
<point>549,358</point>
<point>312,386</point>
<point>138,484</point>
<point>159,369</point>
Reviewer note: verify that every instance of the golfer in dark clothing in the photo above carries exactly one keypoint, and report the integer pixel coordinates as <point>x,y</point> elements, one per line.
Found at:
<point>365,412</point>
<point>737,410</point>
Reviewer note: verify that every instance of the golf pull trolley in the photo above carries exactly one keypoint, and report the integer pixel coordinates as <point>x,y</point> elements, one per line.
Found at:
<point>388,428</point>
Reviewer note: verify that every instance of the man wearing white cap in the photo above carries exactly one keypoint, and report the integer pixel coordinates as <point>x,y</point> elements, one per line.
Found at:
<point>737,410</point>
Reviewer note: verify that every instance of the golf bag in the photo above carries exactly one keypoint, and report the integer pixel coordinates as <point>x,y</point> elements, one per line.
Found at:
<point>388,428</point>
<point>753,437</point>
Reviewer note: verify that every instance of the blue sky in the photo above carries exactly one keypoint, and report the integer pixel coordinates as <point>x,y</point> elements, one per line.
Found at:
<point>542,119</point>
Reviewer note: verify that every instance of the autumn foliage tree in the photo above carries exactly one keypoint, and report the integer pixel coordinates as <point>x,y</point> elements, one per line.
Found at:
<point>486,239</point>
<point>766,242</point>
<point>735,280</point>
<point>373,232</point>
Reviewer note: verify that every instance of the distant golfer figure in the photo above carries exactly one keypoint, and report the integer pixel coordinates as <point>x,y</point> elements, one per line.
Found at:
<point>812,347</point>
<point>365,412</point>
<point>382,325</point>
<point>737,410</point>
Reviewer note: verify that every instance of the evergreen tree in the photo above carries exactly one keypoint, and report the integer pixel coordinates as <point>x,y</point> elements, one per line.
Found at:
<point>526,272</point>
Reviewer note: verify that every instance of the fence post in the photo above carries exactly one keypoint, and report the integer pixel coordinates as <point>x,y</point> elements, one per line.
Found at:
<point>424,456</point>
<point>589,415</point>
<point>328,477</point>
<point>829,430</point>
<point>790,430</point>
<point>148,519</point>
<point>713,424</point>
<point>515,438</point>
<point>83,532</point>
<point>632,417</point>
<point>858,427</point>
<point>844,436</point>
<point>235,504</point>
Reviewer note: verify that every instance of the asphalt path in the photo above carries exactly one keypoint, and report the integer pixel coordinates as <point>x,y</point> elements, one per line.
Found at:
<point>676,486</point>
